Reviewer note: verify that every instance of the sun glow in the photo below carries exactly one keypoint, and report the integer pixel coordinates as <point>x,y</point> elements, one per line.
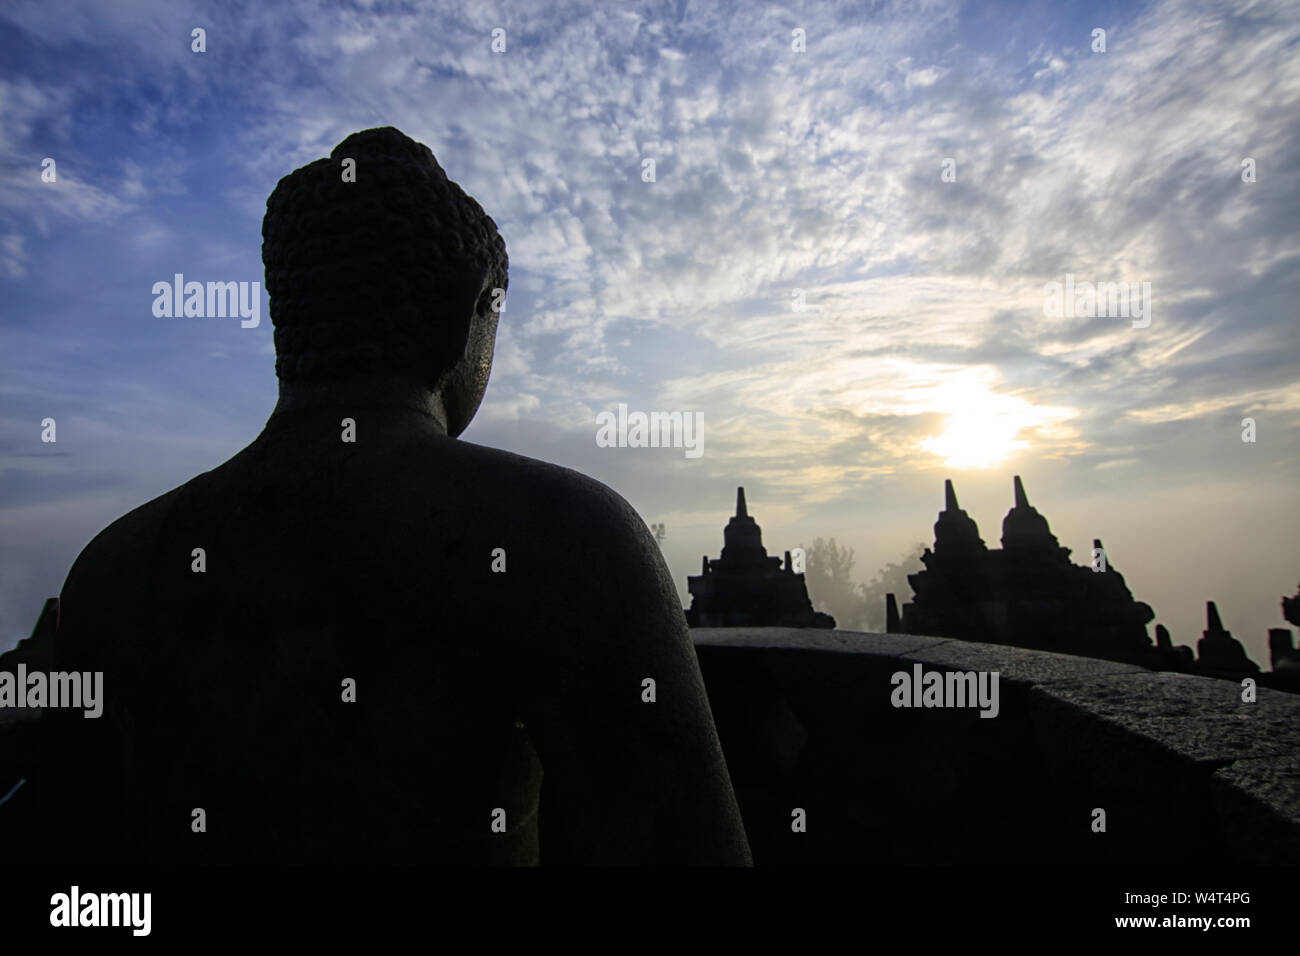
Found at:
<point>982,428</point>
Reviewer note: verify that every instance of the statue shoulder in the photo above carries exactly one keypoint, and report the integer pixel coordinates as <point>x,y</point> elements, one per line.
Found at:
<point>110,579</point>
<point>127,542</point>
<point>558,504</point>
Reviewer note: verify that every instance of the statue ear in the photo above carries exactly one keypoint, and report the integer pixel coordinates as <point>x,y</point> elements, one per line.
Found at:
<point>466,298</point>
<point>462,311</point>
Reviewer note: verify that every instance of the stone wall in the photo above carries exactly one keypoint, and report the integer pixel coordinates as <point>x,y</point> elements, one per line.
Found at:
<point>1186,772</point>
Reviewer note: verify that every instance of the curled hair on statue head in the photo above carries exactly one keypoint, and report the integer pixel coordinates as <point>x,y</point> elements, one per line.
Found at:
<point>370,276</point>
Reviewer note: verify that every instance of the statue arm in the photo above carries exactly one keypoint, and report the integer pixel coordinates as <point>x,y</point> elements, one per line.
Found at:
<point>633,769</point>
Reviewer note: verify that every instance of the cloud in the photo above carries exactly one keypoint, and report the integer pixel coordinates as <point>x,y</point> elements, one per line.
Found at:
<point>775,171</point>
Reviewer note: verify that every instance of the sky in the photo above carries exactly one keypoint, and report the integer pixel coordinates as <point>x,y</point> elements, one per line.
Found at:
<point>913,175</point>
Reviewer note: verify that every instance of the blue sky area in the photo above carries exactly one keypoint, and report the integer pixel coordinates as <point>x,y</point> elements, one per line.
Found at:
<point>926,353</point>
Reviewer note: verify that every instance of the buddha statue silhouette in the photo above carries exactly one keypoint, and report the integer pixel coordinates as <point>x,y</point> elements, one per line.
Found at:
<point>362,640</point>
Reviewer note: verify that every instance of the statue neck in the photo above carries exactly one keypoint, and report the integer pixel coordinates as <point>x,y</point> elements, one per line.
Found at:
<point>373,392</point>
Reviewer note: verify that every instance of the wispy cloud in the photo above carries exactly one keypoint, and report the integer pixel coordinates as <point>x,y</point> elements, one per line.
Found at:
<point>781,178</point>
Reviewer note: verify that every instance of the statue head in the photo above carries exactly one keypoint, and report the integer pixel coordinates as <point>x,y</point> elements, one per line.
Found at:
<point>383,267</point>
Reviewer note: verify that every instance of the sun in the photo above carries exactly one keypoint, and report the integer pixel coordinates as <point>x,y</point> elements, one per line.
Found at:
<point>982,427</point>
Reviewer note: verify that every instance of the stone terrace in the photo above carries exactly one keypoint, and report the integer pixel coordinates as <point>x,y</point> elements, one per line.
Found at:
<point>1186,771</point>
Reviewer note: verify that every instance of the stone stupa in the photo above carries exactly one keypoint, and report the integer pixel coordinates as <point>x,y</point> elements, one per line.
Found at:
<point>747,588</point>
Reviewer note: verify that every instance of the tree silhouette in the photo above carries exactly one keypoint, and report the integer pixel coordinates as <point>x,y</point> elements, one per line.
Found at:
<point>857,606</point>
<point>828,574</point>
<point>891,579</point>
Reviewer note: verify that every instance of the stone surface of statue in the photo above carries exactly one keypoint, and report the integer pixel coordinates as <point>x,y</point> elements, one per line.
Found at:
<point>363,640</point>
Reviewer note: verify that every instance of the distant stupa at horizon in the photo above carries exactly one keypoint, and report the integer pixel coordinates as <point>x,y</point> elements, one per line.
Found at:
<point>1027,593</point>
<point>746,588</point>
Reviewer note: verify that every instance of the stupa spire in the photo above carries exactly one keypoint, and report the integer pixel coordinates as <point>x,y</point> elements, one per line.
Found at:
<point>742,537</point>
<point>1218,653</point>
<point>955,531</point>
<point>1024,527</point>
<point>1022,500</point>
